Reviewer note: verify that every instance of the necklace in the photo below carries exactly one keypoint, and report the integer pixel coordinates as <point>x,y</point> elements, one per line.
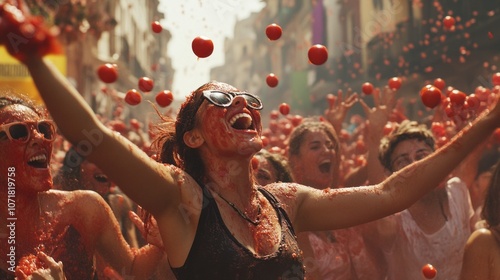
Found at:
<point>242,214</point>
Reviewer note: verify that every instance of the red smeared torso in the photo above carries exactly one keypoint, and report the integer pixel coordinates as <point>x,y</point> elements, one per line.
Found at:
<point>52,234</point>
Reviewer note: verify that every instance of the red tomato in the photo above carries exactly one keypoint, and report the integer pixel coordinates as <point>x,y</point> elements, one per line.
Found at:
<point>448,22</point>
<point>255,163</point>
<point>29,264</point>
<point>457,97</point>
<point>473,101</point>
<point>164,98</point>
<point>133,97</point>
<point>439,83</point>
<point>265,141</point>
<point>202,46</point>
<point>276,150</point>
<point>360,147</point>
<point>388,128</point>
<point>272,80</point>
<point>296,120</point>
<point>496,79</point>
<point>496,135</point>
<point>430,95</point>
<point>146,84</point>
<point>284,109</point>
<point>318,54</point>
<point>438,129</point>
<point>156,27</point>
<point>118,126</point>
<point>108,73</point>
<point>448,110</point>
<point>135,124</point>
<point>367,88</point>
<point>394,83</point>
<point>429,271</point>
<point>274,115</point>
<point>273,31</point>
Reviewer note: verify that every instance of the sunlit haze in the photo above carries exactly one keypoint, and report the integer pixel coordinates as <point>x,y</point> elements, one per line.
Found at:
<point>188,19</point>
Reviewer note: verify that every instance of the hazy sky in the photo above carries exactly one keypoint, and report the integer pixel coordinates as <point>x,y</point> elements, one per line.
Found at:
<point>187,19</point>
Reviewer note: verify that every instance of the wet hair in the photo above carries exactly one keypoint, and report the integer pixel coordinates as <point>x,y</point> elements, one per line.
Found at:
<point>8,97</point>
<point>169,144</point>
<point>406,130</point>
<point>488,159</point>
<point>68,177</point>
<point>279,163</point>
<point>491,206</point>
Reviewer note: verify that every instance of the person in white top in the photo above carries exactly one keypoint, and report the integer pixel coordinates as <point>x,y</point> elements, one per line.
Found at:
<point>432,231</point>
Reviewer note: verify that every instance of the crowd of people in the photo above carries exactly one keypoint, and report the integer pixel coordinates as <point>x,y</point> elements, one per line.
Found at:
<point>209,193</point>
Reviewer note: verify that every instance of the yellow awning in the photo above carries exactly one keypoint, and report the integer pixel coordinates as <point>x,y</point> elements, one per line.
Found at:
<point>15,76</point>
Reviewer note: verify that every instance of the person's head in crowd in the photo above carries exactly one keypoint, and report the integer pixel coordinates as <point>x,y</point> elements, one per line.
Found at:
<point>314,154</point>
<point>26,141</point>
<point>271,168</point>
<point>179,141</point>
<point>77,173</point>
<point>407,143</point>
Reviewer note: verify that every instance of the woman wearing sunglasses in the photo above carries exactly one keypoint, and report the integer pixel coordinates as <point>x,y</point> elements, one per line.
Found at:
<point>215,221</point>
<point>43,223</point>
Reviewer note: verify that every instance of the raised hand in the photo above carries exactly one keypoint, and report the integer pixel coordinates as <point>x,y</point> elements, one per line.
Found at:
<point>149,232</point>
<point>338,107</point>
<point>24,34</point>
<point>51,270</point>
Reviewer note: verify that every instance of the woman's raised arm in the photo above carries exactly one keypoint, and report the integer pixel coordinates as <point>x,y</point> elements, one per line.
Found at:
<point>148,183</point>
<point>339,208</point>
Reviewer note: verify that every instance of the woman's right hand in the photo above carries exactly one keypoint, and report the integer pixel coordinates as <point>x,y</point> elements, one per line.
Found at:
<point>53,270</point>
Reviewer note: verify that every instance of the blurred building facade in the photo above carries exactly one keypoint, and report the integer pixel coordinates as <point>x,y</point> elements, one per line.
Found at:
<point>367,41</point>
<point>119,32</point>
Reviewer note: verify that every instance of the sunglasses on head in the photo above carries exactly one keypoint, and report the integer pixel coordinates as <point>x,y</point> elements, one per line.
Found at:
<point>21,131</point>
<point>225,99</point>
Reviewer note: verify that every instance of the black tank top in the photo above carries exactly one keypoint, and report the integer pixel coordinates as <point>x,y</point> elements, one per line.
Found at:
<point>216,254</point>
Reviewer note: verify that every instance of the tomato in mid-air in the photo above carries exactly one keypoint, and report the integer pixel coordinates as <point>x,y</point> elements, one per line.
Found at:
<point>318,54</point>
<point>202,46</point>
<point>107,73</point>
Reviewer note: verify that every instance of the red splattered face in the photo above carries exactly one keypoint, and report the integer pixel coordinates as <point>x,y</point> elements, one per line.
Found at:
<point>316,163</point>
<point>30,159</point>
<point>92,178</point>
<point>265,172</point>
<point>230,131</point>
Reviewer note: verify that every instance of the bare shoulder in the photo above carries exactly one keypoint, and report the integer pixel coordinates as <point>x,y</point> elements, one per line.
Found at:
<point>482,239</point>
<point>74,200</point>
<point>288,195</point>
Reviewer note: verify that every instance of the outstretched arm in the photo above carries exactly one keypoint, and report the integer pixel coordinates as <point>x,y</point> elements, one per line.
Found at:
<point>127,165</point>
<point>338,208</point>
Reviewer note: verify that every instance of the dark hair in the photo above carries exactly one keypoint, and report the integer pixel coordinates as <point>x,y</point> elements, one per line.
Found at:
<point>404,131</point>
<point>491,206</point>
<point>488,159</point>
<point>280,164</point>
<point>169,143</point>
<point>69,175</point>
<point>8,98</point>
